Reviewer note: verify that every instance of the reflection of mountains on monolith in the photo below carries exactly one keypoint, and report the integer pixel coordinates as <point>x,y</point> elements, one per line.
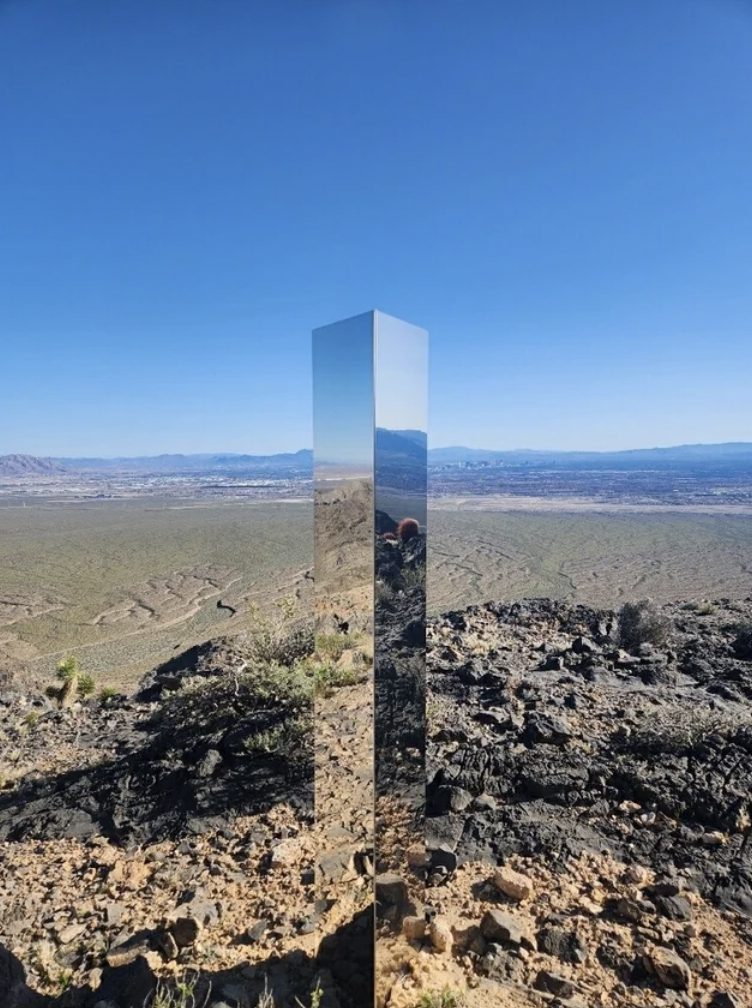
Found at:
<point>344,550</point>
<point>401,466</point>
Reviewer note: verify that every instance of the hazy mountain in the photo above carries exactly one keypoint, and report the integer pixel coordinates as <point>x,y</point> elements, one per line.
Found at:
<point>407,444</point>
<point>393,447</point>
<point>29,465</point>
<point>734,452</point>
<point>206,462</point>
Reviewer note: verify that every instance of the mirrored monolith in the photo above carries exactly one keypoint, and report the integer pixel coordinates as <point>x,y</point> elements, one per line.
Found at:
<point>370,499</point>
<point>400,499</point>
<point>343,414</point>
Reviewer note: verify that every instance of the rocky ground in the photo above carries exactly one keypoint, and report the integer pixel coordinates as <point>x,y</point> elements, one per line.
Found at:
<point>588,829</point>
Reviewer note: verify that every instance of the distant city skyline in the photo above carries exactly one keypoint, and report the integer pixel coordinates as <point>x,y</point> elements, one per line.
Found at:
<point>558,193</point>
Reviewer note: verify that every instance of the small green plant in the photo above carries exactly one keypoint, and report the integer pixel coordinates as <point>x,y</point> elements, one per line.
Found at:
<point>107,694</point>
<point>445,998</point>
<point>180,993</point>
<point>327,678</point>
<point>415,577</point>
<point>333,645</point>
<point>31,719</point>
<point>64,980</point>
<point>68,669</point>
<point>641,623</point>
<point>86,684</point>
<point>317,996</point>
<point>271,640</point>
<point>282,740</point>
<point>73,679</point>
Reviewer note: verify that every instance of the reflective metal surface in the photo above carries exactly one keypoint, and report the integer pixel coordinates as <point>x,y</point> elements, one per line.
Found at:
<point>343,395</point>
<point>401,386</point>
<point>370,503</point>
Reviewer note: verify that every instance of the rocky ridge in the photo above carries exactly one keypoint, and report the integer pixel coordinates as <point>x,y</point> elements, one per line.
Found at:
<point>587,831</point>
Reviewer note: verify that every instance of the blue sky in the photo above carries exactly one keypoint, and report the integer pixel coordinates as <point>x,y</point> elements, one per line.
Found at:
<point>558,192</point>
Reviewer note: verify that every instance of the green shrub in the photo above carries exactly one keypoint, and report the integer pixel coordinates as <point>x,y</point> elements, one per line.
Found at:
<point>271,640</point>
<point>446,998</point>
<point>327,678</point>
<point>68,668</point>
<point>641,623</point>
<point>107,693</point>
<point>334,645</point>
<point>86,684</point>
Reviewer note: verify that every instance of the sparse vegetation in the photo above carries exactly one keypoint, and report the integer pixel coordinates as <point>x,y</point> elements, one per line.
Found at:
<point>31,719</point>
<point>68,669</point>
<point>74,681</point>
<point>107,694</point>
<point>681,730</point>
<point>332,646</point>
<point>328,677</point>
<point>270,639</point>
<point>415,576</point>
<point>178,993</point>
<point>86,684</point>
<point>641,623</point>
<point>445,998</point>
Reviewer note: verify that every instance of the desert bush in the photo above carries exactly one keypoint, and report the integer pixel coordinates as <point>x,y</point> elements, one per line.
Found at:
<point>328,677</point>
<point>445,998</point>
<point>201,702</point>
<point>334,645</point>
<point>415,576</point>
<point>107,693</point>
<point>178,993</point>
<point>742,643</point>
<point>86,684</point>
<point>68,669</point>
<point>31,719</point>
<point>641,623</point>
<point>271,640</point>
<point>680,731</point>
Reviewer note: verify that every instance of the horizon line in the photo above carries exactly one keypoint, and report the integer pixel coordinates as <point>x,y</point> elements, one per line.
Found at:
<point>451,447</point>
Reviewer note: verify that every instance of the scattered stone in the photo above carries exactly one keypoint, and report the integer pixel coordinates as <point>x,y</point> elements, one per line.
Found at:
<point>185,931</point>
<point>513,884</point>
<point>440,935</point>
<point>670,969</point>
<point>414,928</point>
<point>552,983</point>
<point>498,926</point>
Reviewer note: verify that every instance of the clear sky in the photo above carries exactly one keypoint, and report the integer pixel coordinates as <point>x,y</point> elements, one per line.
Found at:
<point>560,192</point>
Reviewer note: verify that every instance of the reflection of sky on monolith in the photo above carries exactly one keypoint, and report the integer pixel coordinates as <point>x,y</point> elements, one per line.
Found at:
<point>401,375</point>
<point>343,396</point>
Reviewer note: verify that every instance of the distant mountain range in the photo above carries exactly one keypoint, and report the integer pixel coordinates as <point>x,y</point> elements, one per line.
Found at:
<point>391,444</point>
<point>731,451</point>
<point>29,465</point>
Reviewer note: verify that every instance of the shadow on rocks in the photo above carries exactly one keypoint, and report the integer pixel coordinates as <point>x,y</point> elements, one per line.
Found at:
<point>181,779</point>
<point>341,974</point>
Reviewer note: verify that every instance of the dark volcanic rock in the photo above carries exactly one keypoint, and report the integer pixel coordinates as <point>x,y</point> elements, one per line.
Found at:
<point>563,748</point>
<point>169,773</point>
